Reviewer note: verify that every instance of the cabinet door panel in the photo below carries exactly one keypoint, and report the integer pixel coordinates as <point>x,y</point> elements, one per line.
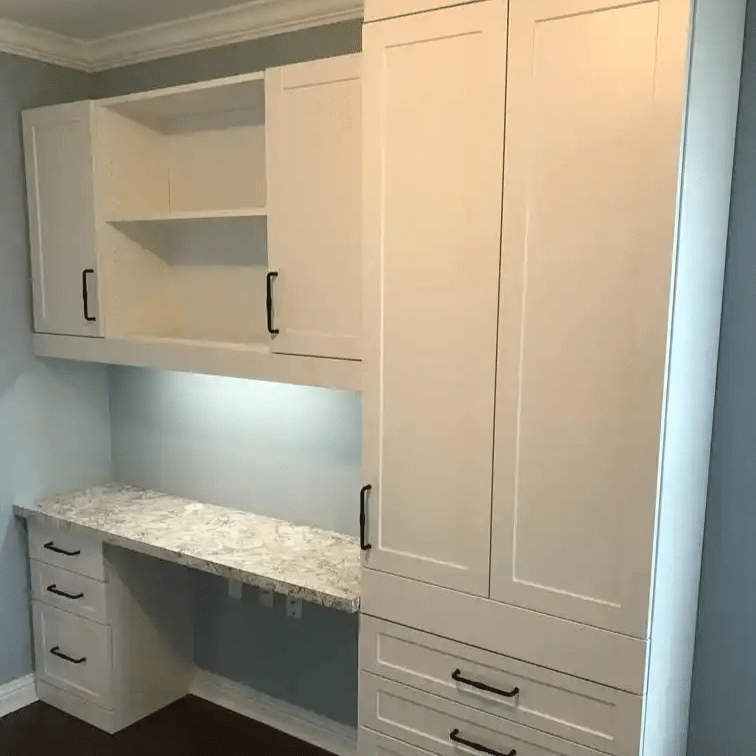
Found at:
<point>314,206</point>
<point>588,226</point>
<point>433,115</point>
<point>60,187</point>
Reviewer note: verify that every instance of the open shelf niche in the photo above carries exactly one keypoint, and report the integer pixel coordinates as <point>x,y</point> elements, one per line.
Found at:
<point>182,181</point>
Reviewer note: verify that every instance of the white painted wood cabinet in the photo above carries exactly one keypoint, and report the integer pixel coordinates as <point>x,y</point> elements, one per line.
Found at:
<point>584,308</point>
<point>541,341</point>
<point>156,219</point>
<point>314,144</point>
<point>98,613</point>
<point>58,144</point>
<point>433,148</point>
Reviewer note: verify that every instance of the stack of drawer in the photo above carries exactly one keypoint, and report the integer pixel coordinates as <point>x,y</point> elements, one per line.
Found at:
<point>113,630</point>
<point>424,694</point>
<point>72,630</point>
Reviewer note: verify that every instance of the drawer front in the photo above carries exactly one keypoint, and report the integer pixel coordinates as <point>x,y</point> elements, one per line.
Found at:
<point>594,715</point>
<point>431,723</point>
<point>374,744</point>
<point>67,590</point>
<point>87,670</point>
<point>589,653</point>
<point>70,549</point>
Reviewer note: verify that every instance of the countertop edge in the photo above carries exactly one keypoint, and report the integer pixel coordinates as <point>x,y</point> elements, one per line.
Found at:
<point>341,603</point>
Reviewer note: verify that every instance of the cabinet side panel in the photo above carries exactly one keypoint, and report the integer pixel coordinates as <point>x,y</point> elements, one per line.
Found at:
<point>702,239</point>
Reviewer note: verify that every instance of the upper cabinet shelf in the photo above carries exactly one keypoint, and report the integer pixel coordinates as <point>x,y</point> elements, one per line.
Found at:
<point>165,106</point>
<point>219,217</point>
<point>184,215</point>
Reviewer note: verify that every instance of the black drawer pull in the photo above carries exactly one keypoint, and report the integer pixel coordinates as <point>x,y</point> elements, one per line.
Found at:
<point>363,518</point>
<point>269,302</point>
<point>54,589</point>
<point>85,294</point>
<point>457,677</point>
<point>50,546</point>
<point>57,652</point>
<point>454,736</point>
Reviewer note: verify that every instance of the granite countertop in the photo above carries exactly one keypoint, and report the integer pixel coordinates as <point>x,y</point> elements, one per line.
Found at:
<point>315,565</point>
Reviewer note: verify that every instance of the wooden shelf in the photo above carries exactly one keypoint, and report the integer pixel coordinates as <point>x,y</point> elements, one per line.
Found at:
<point>244,212</point>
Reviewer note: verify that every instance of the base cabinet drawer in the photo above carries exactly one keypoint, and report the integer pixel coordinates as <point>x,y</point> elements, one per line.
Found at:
<point>68,591</point>
<point>445,728</point>
<point>70,549</point>
<point>73,654</point>
<point>568,707</point>
<point>374,744</point>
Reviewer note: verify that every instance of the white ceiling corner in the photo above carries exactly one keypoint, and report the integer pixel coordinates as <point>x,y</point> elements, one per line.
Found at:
<point>238,23</point>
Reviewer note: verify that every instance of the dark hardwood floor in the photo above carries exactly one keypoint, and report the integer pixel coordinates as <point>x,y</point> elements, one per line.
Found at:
<point>189,727</point>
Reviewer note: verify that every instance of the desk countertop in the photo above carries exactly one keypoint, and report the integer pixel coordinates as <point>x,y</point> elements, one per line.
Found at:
<point>315,565</point>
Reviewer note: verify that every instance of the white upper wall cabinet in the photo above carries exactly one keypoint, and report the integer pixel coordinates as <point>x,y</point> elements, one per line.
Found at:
<point>59,158</point>
<point>433,149</point>
<point>156,206</point>
<point>589,197</point>
<point>315,206</point>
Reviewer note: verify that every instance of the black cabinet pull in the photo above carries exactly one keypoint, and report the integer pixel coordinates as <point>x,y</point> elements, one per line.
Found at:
<point>454,736</point>
<point>269,303</point>
<point>457,677</point>
<point>85,294</point>
<point>50,546</point>
<point>363,517</point>
<point>57,652</point>
<point>54,589</point>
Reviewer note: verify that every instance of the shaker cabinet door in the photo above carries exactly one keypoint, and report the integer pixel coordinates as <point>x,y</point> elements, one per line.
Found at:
<point>433,151</point>
<point>60,189</point>
<point>588,232</point>
<point>314,206</point>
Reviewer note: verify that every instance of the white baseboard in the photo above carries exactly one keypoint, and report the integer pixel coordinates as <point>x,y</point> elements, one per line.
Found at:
<point>17,694</point>
<point>299,723</point>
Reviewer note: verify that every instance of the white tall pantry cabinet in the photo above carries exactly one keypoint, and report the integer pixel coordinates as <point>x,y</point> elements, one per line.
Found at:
<point>546,197</point>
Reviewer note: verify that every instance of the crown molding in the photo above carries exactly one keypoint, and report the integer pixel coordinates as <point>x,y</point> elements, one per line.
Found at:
<point>238,23</point>
<point>43,45</point>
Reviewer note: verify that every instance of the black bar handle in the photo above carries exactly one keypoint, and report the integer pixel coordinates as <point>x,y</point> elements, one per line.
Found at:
<point>454,736</point>
<point>50,546</point>
<point>54,589</point>
<point>363,517</point>
<point>85,294</point>
<point>457,677</point>
<point>269,303</point>
<point>55,651</point>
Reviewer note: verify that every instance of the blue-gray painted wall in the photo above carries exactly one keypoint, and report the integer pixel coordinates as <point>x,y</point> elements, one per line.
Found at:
<point>723,705</point>
<point>54,431</point>
<point>286,451</point>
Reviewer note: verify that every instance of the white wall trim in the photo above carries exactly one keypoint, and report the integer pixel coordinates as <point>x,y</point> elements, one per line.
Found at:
<point>239,23</point>
<point>17,694</point>
<point>299,723</point>
<point>43,45</point>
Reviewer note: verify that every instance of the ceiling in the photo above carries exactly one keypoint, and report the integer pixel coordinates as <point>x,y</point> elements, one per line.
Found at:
<point>93,19</point>
<point>94,35</point>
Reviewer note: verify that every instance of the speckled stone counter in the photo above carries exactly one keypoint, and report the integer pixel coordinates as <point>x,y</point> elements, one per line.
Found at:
<point>311,564</point>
